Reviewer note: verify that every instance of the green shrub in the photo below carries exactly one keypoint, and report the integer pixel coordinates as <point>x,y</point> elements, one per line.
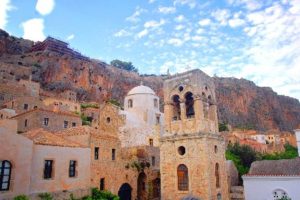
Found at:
<point>46,196</point>
<point>103,195</point>
<point>21,197</point>
<point>89,105</point>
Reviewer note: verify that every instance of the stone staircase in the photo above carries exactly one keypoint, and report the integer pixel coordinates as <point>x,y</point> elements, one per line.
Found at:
<point>237,193</point>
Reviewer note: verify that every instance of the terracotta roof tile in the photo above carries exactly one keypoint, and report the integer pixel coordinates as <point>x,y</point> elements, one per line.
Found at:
<point>286,167</point>
<point>43,137</point>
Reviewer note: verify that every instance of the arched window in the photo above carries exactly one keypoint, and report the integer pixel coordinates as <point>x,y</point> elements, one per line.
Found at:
<point>176,107</point>
<point>219,196</point>
<point>130,103</point>
<point>189,105</point>
<point>183,178</point>
<point>5,172</point>
<point>279,194</point>
<point>155,103</point>
<point>217,174</point>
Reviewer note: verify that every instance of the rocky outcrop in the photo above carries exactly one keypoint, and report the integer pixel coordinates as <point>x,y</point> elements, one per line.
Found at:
<point>245,105</point>
<point>240,102</point>
<point>12,45</point>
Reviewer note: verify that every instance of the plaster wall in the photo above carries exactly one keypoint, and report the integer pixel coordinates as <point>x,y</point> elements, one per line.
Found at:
<point>262,188</point>
<point>17,150</point>
<point>61,157</point>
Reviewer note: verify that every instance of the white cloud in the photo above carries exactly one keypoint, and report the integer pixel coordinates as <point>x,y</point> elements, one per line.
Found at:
<point>33,29</point>
<point>45,7</point>
<point>142,33</point>
<point>221,15</point>
<point>204,22</point>
<point>70,37</point>
<point>179,27</point>
<point>151,1</point>
<point>5,6</point>
<point>122,33</point>
<point>154,24</point>
<point>191,3</point>
<point>236,21</point>
<point>175,42</point>
<point>179,18</point>
<point>167,10</point>
<point>135,17</point>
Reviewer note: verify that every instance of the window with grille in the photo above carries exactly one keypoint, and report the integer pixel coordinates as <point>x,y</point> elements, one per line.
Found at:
<point>217,174</point>
<point>66,123</point>
<point>48,165</point>
<point>102,184</point>
<point>183,178</point>
<point>153,160</point>
<point>5,174</point>
<point>72,168</point>
<point>113,154</point>
<point>96,153</point>
<point>46,121</point>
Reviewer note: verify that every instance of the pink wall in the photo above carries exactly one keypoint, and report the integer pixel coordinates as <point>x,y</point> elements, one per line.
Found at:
<point>61,179</point>
<point>18,150</point>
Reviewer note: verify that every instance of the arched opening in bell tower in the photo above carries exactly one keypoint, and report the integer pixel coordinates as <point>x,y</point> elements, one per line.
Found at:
<point>189,105</point>
<point>176,107</point>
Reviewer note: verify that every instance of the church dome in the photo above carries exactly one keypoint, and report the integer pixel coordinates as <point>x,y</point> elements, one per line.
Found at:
<point>141,89</point>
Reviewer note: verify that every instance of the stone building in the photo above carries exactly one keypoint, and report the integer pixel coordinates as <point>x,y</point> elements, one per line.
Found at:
<point>38,161</point>
<point>192,152</point>
<point>46,119</point>
<point>6,113</point>
<point>24,104</point>
<point>60,104</point>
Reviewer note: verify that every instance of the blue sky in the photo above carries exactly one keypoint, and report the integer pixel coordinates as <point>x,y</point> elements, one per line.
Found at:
<point>252,39</point>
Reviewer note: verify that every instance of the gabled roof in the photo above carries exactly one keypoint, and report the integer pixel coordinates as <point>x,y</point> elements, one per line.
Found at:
<point>43,137</point>
<point>286,167</point>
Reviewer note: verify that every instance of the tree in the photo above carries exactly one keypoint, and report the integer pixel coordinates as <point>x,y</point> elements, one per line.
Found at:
<point>123,65</point>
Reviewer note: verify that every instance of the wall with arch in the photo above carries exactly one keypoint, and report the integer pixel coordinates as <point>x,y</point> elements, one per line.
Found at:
<point>263,187</point>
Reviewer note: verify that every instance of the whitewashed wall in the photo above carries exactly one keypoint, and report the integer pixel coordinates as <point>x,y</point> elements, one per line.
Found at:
<point>262,188</point>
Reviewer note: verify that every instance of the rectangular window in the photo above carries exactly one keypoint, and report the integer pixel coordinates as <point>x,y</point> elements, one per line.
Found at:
<point>113,154</point>
<point>66,123</point>
<point>102,184</point>
<point>25,106</point>
<point>73,124</point>
<point>72,168</point>
<point>151,142</point>
<point>46,121</point>
<point>26,123</point>
<point>153,160</point>
<point>48,165</point>
<point>157,120</point>
<point>96,153</point>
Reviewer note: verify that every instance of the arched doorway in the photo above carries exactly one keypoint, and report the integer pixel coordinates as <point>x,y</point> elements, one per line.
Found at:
<point>125,192</point>
<point>142,191</point>
<point>156,188</point>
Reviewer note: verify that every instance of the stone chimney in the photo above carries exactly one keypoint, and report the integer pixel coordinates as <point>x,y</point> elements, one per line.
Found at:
<point>297,133</point>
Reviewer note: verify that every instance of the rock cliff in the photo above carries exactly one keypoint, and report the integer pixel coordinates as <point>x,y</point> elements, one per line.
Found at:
<point>240,102</point>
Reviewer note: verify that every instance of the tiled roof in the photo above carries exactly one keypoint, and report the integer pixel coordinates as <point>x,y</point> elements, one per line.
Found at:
<point>79,130</point>
<point>51,111</point>
<point>287,167</point>
<point>43,137</point>
<point>84,130</point>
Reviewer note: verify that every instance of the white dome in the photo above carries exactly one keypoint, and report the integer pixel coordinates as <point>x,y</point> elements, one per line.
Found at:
<point>141,89</point>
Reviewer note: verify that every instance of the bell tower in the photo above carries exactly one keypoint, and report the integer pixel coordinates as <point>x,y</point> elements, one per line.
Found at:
<point>192,150</point>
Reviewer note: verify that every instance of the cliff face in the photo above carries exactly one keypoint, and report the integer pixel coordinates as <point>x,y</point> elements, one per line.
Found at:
<point>243,104</point>
<point>240,102</point>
